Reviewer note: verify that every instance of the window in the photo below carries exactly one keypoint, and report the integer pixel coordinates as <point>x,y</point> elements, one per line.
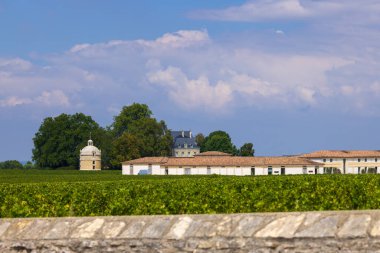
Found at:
<point>93,167</point>
<point>150,168</point>
<point>208,170</point>
<point>188,153</point>
<point>358,170</point>
<point>93,162</point>
<point>253,172</point>
<point>187,171</point>
<point>359,160</point>
<point>304,170</point>
<point>176,153</point>
<point>282,170</point>
<point>331,160</point>
<point>365,159</point>
<point>166,171</point>
<point>324,160</point>
<point>372,170</point>
<point>375,160</point>
<point>93,153</point>
<point>185,145</point>
<point>316,169</point>
<point>270,170</point>
<point>183,153</point>
<point>130,169</point>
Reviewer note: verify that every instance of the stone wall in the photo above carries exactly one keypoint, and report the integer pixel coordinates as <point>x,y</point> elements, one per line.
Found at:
<point>347,231</point>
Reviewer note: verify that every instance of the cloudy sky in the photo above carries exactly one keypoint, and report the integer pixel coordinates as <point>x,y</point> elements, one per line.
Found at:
<point>291,76</point>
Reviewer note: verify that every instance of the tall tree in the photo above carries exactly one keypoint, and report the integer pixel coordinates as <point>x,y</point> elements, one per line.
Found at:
<point>219,141</point>
<point>128,115</point>
<point>124,148</point>
<point>11,164</point>
<point>247,149</point>
<point>58,141</point>
<point>199,139</point>
<point>137,134</point>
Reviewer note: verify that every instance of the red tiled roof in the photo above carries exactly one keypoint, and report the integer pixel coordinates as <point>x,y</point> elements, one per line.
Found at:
<point>342,154</point>
<point>224,161</point>
<point>213,153</point>
<point>147,160</point>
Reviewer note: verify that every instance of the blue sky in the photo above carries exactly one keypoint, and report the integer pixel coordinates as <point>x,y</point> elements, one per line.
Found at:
<point>291,76</point>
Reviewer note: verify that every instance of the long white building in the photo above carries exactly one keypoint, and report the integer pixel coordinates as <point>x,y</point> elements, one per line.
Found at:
<point>220,163</point>
<point>207,163</point>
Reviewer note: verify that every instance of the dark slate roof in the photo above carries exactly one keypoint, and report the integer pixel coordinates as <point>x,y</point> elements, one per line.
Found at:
<point>176,134</point>
<point>180,140</point>
<point>180,143</point>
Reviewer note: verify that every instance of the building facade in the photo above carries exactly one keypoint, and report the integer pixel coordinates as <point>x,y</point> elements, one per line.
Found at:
<point>212,162</point>
<point>90,157</point>
<point>347,161</point>
<point>207,163</point>
<point>184,144</point>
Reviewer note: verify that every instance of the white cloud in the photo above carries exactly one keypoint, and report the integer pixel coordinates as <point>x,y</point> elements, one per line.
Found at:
<point>375,87</point>
<point>53,98</point>
<point>265,10</point>
<point>47,98</point>
<point>15,64</point>
<point>196,72</point>
<point>14,101</point>
<point>257,10</point>
<point>180,39</point>
<point>192,93</point>
<point>279,32</point>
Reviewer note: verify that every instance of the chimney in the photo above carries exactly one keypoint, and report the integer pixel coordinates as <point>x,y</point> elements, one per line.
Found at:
<point>190,134</point>
<point>183,134</point>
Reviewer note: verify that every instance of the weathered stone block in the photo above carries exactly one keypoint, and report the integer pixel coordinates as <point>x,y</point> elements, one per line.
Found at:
<point>179,229</point>
<point>284,227</point>
<point>248,225</point>
<point>355,226</point>
<point>133,230</point>
<point>326,227</point>
<point>112,229</point>
<point>88,229</point>
<point>157,228</point>
<point>3,227</point>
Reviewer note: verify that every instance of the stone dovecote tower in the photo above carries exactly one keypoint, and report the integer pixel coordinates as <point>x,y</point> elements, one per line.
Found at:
<point>90,157</point>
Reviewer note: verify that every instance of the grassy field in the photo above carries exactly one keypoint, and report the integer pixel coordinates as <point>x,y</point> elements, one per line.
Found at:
<point>38,193</point>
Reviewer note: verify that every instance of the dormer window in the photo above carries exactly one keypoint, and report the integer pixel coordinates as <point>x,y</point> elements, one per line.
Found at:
<point>185,145</point>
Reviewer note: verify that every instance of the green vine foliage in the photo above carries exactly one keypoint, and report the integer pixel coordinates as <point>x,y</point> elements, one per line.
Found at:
<point>56,194</point>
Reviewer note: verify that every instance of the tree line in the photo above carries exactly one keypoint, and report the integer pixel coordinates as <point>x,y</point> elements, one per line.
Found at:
<point>134,133</point>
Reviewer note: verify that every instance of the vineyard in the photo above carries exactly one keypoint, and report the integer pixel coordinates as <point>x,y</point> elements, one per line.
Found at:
<point>78,193</point>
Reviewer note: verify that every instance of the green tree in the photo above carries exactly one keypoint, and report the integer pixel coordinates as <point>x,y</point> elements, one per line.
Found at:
<point>136,134</point>
<point>29,165</point>
<point>247,150</point>
<point>11,164</point>
<point>128,115</point>
<point>124,148</point>
<point>58,141</point>
<point>199,139</point>
<point>219,141</point>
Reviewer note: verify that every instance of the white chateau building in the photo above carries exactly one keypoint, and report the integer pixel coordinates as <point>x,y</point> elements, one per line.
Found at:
<point>90,157</point>
<point>212,162</point>
<point>184,144</point>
